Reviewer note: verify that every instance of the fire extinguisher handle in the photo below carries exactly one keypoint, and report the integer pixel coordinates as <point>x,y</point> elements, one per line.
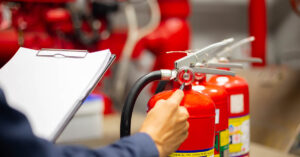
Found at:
<point>224,65</point>
<point>245,59</point>
<point>131,99</point>
<point>227,51</point>
<point>202,55</point>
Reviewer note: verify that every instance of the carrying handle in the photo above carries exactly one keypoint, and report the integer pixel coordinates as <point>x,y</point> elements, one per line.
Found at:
<point>213,71</point>
<point>202,55</point>
<point>224,65</point>
<point>246,59</point>
<point>226,52</point>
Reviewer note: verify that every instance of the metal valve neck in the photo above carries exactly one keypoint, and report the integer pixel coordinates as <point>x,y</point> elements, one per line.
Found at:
<point>200,78</point>
<point>177,85</point>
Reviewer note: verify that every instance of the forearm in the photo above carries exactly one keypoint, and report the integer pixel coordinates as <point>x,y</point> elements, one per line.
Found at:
<point>138,145</point>
<point>18,140</point>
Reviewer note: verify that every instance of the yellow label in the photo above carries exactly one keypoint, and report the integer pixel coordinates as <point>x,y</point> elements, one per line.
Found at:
<point>200,153</point>
<point>217,155</point>
<point>235,148</point>
<point>224,137</point>
<point>239,132</point>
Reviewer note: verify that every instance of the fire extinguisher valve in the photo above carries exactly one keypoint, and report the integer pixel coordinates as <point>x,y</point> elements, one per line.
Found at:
<point>185,76</point>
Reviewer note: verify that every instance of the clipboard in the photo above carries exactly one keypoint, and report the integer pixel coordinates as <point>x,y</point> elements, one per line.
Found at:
<point>49,85</point>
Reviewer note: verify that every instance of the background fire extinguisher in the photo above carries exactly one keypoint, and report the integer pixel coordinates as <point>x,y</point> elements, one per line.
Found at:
<point>201,108</point>
<point>221,99</point>
<point>237,88</point>
<point>239,118</point>
<point>172,34</point>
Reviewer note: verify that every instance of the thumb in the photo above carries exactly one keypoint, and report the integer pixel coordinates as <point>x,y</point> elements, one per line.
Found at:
<point>176,97</point>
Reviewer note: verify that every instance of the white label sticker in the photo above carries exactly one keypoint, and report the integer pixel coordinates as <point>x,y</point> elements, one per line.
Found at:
<point>217,121</point>
<point>237,103</point>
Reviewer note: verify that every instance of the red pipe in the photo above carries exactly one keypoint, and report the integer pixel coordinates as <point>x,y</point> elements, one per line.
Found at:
<point>258,29</point>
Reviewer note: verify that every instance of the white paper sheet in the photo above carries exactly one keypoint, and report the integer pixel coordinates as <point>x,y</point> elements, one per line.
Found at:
<point>48,90</point>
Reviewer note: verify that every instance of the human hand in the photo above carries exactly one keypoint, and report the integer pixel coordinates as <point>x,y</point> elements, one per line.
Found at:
<point>167,124</point>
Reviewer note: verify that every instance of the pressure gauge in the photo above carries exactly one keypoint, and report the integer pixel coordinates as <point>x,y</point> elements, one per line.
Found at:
<point>185,76</point>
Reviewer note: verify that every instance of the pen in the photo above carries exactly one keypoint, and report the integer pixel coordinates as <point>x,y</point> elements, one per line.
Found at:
<point>182,87</point>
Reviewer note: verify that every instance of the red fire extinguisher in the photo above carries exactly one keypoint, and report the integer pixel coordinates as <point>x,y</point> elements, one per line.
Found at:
<point>173,33</point>
<point>237,88</point>
<point>221,99</point>
<point>239,118</point>
<point>201,108</point>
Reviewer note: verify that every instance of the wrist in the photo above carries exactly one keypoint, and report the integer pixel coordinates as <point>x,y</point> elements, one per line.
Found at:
<point>159,149</point>
<point>158,144</point>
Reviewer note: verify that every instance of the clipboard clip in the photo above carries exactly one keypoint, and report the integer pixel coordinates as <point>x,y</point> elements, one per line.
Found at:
<point>62,53</point>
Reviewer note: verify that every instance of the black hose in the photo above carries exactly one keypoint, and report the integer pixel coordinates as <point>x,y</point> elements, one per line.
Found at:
<point>161,86</point>
<point>131,99</point>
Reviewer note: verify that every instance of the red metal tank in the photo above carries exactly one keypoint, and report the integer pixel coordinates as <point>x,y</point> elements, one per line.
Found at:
<point>174,8</point>
<point>258,27</point>
<point>239,118</point>
<point>173,32</point>
<point>221,100</point>
<point>200,141</point>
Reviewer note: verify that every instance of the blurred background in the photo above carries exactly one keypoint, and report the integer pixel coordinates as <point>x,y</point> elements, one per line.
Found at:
<point>139,32</point>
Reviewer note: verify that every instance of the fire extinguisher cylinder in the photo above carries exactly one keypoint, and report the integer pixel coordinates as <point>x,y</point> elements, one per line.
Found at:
<point>221,100</point>
<point>200,141</point>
